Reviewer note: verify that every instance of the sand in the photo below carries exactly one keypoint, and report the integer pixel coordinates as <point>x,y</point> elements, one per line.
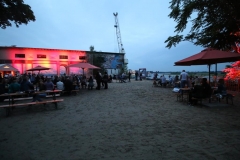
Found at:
<point>128,121</point>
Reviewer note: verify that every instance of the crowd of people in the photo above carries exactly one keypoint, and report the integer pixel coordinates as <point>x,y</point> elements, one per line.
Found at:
<point>31,82</point>
<point>201,87</point>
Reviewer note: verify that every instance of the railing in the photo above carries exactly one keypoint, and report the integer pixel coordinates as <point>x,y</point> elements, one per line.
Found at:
<point>233,85</point>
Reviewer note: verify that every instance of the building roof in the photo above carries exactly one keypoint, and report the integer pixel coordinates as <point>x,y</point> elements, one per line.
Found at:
<point>7,67</point>
<point>13,47</point>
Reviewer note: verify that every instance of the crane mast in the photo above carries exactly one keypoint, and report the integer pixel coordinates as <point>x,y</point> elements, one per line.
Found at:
<point>118,33</point>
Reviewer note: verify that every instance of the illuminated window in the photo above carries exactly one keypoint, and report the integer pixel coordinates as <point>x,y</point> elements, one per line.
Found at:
<point>41,56</point>
<point>19,55</point>
<point>63,57</point>
<point>82,57</point>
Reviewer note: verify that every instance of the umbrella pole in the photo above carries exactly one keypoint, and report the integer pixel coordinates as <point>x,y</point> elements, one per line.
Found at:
<point>209,79</point>
<point>216,69</point>
<point>209,73</point>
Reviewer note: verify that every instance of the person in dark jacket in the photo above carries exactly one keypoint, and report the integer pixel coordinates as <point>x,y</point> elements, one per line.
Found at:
<point>67,85</point>
<point>200,91</point>
<point>105,80</point>
<point>25,85</point>
<point>221,88</point>
<point>2,89</point>
<point>98,79</point>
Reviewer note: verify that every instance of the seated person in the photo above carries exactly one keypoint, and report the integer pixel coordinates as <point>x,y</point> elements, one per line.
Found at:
<point>83,82</point>
<point>154,82</point>
<point>200,91</point>
<point>49,84</point>
<point>121,78</point>
<point>14,86</point>
<point>60,84</point>
<point>90,83</point>
<point>25,85</point>
<point>41,85</point>
<point>221,88</point>
<point>28,88</point>
<point>75,83</point>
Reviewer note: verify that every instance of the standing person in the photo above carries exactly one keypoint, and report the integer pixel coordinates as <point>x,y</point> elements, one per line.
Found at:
<point>136,75</point>
<point>105,80</point>
<point>155,76</point>
<point>98,79</point>
<point>170,80</point>
<point>184,79</point>
<point>2,89</point>
<point>164,81</point>
<point>129,76</point>
<point>1,76</point>
<point>90,83</point>
<point>140,76</point>
<point>67,85</point>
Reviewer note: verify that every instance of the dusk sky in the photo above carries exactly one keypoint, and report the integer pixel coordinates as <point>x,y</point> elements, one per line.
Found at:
<point>78,24</point>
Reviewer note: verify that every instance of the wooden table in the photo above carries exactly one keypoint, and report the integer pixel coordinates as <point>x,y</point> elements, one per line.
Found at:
<point>11,96</point>
<point>51,91</point>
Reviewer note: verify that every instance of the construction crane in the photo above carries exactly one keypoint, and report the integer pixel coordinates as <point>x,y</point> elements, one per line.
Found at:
<point>118,33</point>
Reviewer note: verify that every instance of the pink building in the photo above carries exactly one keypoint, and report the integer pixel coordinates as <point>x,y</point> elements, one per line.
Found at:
<point>23,58</point>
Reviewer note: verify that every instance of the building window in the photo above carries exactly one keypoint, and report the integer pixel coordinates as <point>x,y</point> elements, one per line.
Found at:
<point>5,61</point>
<point>19,55</point>
<point>63,57</point>
<point>41,56</point>
<point>82,57</point>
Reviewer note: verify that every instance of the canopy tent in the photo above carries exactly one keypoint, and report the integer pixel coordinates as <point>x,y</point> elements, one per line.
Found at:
<point>38,68</point>
<point>7,67</point>
<point>209,56</point>
<point>83,66</point>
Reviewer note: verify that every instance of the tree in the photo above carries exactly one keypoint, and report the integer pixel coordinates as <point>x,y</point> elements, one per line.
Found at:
<point>233,71</point>
<point>15,11</point>
<point>95,58</point>
<point>216,23</point>
<point>92,48</point>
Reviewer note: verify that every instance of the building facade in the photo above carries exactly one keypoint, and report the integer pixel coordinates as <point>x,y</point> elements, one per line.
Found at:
<point>57,60</point>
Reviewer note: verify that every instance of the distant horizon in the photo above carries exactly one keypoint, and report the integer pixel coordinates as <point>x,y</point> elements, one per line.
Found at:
<point>181,71</point>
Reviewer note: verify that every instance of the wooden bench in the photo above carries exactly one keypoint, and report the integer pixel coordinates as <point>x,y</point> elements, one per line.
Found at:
<point>9,107</point>
<point>30,97</point>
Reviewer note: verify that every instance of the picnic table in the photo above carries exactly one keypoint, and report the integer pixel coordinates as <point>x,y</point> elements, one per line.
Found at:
<point>11,99</point>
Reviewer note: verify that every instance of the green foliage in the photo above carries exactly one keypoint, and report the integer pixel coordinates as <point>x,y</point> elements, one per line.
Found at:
<point>215,22</point>
<point>96,59</point>
<point>15,11</point>
<point>92,49</point>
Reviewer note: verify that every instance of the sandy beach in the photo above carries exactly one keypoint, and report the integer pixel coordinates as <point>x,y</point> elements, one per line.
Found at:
<point>130,120</point>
